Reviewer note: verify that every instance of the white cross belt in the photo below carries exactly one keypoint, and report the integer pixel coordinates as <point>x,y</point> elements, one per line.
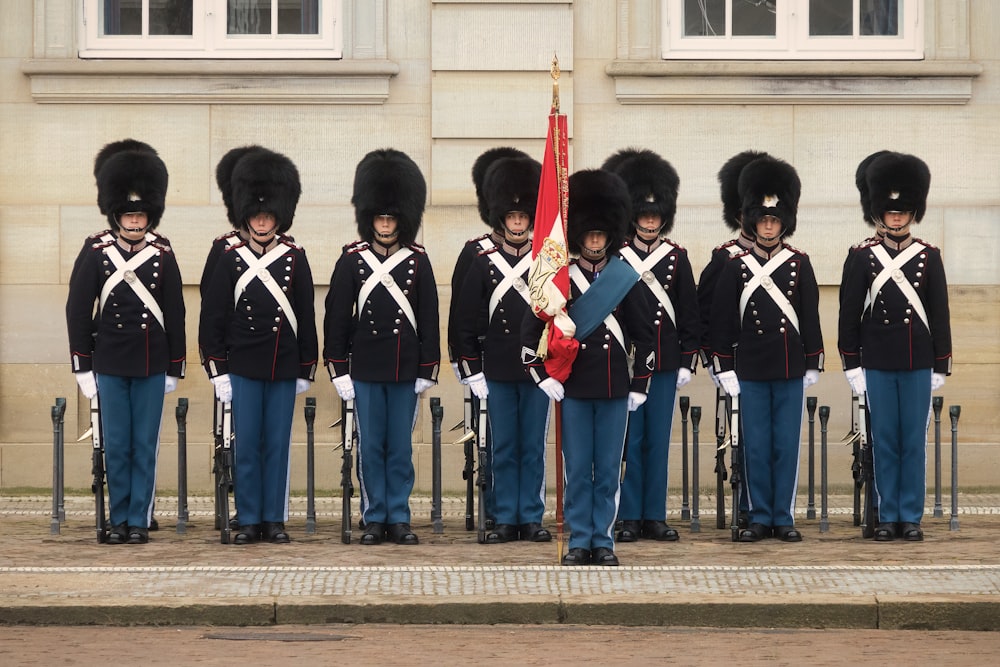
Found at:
<point>125,273</point>
<point>257,268</point>
<point>762,278</point>
<point>381,276</point>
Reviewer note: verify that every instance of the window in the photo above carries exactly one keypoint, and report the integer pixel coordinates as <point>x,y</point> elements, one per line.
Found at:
<point>793,29</point>
<point>211,29</point>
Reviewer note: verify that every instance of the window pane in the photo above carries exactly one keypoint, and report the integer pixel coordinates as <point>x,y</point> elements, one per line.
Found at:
<point>298,17</point>
<point>170,17</point>
<point>121,17</point>
<point>831,17</point>
<point>249,17</point>
<point>754,18</point>
<point>880,17</point>
<point>704,18</point>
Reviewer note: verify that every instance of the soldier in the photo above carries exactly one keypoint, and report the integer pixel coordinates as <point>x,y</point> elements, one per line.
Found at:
<point>668,288</point>
<point>767,346</point>
<point>496,281</point>
<point>381,335</point>
<point>131,352</point>
<point>258,337</point>
<point>609,310</point>
<point>895,336</point>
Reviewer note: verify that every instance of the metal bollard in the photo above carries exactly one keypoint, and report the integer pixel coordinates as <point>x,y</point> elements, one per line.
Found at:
<point>182,476</point>
<point>58,463</point>
<point>695,486</point>
<point>437,415</point>
<point>824,519</point>
<point>811,409</point>
<point>954,412</point>
<point>310,414</point>
<point>685,403</point>
<point>936,404</point>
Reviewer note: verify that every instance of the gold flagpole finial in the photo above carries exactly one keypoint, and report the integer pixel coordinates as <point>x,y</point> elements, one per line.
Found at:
<point>554,71</point>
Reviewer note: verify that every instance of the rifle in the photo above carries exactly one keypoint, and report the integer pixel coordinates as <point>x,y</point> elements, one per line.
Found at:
<point>310,414</point>
<point>720,459</point>
<point>349,433</point>
<point>225,468</point>
<point>482,429</point>
<point>468,473</point>
<point>217,463</point>
<point>736,478</point>
<point>866,462</point>
<point>695,484</point>
<point>854,438</point>
<point>685,403</point>
<point>97,468</point>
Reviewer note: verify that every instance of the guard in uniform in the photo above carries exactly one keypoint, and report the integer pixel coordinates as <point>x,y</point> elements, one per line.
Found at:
<point>895,337</point>
<point>613,327</point>
<point>767,346</point>
<point>489,351</point>
<point>131,352</point>
<point>667,285</point>
<point>382,345</point>
<point>258,338</point>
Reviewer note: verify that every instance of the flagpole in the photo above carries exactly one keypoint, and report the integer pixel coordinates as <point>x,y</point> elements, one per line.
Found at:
<point>560,179</point>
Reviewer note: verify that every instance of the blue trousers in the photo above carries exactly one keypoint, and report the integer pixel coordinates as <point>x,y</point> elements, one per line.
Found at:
<point>262,418</point>
<point>644,490</point>
<point>771,413</point>
<point>593,438</point>
<point>899,403</point>
<point>385,413</point>
<point>131,413</point>
<point>518,414</point>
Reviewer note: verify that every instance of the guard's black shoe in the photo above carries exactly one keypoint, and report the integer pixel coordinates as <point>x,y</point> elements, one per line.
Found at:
<point>603,556</point>
<point>885,532</point>
<point>659,530</point>
<point>911,532</point>
<point>247,534</point>
<point>400,533</point>
<point>374,533</point>
<point>577,556</point>
<point>787,534</point>
<point>137,535</point>
<point>274,532</point>
<point>755,532</point>
<point>503,532</point>
<point>534,532</point>
<point>154,524</point>
<point>630,532</point>
<point>118,534</point>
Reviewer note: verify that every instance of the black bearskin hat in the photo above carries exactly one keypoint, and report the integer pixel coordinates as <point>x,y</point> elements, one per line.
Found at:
<point>652,183</point>
<point>511,184</point>
<point>224,178</point>
<point>481,166</point>
<point>898,182</point>
<point>263,181</point>
<point>598,201</point>
<point>769,186</point>
<point>130,177</point>
<point>729,178</point>
<point>388,182</point>
<point>861,181</point>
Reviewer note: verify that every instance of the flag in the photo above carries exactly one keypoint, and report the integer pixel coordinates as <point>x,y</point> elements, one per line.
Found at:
<point>548,279</point>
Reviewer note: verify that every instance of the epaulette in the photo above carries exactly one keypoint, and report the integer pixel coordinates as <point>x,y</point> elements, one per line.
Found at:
<point>230,248</point>
<point>487,251</point>
<point>926,244</point>
<point>100,235</point>
<point>868,243</point>
<point>356,246</point>
<point>795,250</point>
<point>162,246</point>
<point>725,245</point>
<point>477,239</point>
<point>416,247</point>
<point>226,236</point>
<point>289,241</point>
<point>676,245</point>
<point>740,254</point>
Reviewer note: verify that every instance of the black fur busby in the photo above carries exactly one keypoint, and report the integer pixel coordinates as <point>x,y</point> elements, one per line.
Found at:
<point>130,177</point>
<point>224,178</point>
<point>481,166</point>
<point>898,182</point>
<point>861,181</point>
<point>729,191</point>
<point>598,201</point>
<point>652,183</point>
<point>769,186</point>
<point>263,181</point>
<point>511,184</point>
<point>388,182</point>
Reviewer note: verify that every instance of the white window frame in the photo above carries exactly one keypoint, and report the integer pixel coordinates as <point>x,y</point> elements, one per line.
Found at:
<point>792,40</point>
<point>209,38</point>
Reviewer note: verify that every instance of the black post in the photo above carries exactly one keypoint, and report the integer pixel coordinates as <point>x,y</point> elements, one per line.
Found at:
<point>720,459</point>
<point>824,519</point>
<point>811,409</point>
<point>58,440</point>
<point>182,475</point>
<point>937,403</point>
<point>310,414</point>
<point>437,415</point>
<point>954,412</point>
<point>695,486</point>
<point>685,403</point>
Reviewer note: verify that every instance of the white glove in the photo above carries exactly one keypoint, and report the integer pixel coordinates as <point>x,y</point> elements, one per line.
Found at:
<point>344,387</point>
<point>170,384</point>
<point>729,382</point>
<point>683,376</point>
<point>553,388</point>
<point>713,376</point>
<point>856,378</point>
<point>937,381</point>
<point>422,385</point>
<point>87,382</point>
<point>477,383</point>
<point>810,378</point>
<point>223,388</point>
<point>635,399</point>
<point>301,385</point>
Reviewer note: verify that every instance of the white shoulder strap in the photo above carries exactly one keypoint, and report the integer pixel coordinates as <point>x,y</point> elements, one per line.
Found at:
<point>125,272</point>
<point>381,276</point>
<point>257,268</point>
<point>762,278</point>
<point>645,270</point>
<point>611,322</point>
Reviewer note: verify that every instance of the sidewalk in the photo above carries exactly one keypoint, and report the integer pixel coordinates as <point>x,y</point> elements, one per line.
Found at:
<point>833,579</point>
